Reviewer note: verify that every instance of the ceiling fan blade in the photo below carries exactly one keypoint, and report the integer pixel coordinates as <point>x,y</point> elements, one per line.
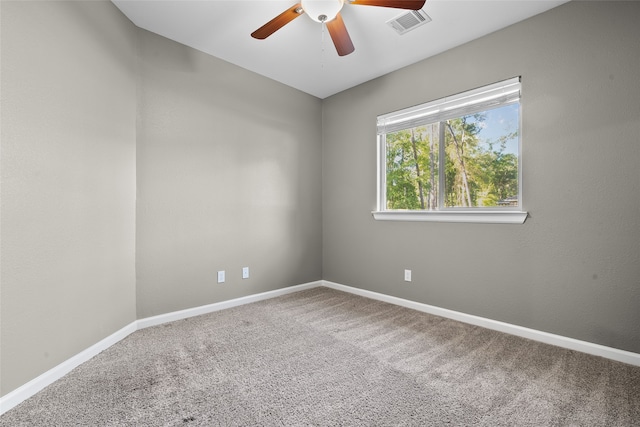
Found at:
<point>340,36</point>
<point>398,4</point>
<point>278,22</point>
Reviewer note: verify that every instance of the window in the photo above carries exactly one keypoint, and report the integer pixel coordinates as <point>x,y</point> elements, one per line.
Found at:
<point>453,159</point>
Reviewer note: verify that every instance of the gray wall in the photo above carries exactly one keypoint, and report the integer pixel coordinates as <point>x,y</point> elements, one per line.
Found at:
<point>228,168</point>
<point>574,267</point>
<point>229,175</point>
<point>68,182</point>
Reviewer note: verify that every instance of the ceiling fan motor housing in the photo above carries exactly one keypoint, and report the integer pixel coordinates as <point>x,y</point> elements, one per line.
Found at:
<point>322,10</point>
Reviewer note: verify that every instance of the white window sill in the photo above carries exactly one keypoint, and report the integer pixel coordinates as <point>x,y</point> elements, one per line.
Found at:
<point>483,217</point>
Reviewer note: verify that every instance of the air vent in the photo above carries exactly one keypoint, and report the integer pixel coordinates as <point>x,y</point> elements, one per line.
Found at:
<point>409,21</point>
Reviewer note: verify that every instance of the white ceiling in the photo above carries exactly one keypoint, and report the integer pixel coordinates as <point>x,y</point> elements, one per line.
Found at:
<point>302,55</point>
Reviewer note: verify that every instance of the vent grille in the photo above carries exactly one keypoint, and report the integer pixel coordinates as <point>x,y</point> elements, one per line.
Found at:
<point>409,21</point>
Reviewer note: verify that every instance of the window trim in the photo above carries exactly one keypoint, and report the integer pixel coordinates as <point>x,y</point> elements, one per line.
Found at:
<point>481,217</point>
<point>500,93</point>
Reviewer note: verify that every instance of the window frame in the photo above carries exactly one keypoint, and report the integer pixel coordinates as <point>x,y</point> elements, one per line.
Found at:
<point>484,98</point>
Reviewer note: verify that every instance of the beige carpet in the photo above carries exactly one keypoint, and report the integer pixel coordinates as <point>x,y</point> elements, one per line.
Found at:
<point>327,358</point>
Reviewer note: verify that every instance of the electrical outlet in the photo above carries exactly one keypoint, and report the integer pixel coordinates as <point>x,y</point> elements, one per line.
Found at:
<point>221,276</point>
<point>245,272</point>
<point>407,275</point>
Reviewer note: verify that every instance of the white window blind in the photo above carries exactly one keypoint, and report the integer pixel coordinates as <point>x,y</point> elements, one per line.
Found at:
<point>462,104</point>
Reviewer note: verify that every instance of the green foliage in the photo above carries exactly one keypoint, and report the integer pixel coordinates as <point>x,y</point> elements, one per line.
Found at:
<point>411,156</point>
<point>478,173</point>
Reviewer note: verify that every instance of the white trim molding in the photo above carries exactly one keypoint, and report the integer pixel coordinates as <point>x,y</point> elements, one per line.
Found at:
<point>480,216</point>
<point>210,308</point>
<point>27,390</point>
<point>17,396</point>
<point>520,331</point>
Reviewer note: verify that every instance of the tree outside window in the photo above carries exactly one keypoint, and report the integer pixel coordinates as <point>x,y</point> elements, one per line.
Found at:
<point>462,152</point>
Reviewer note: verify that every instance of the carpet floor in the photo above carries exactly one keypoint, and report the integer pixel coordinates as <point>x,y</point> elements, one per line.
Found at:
<point>322,357</point>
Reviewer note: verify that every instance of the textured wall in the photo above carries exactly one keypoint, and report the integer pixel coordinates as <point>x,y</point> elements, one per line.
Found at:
<point>229,175</point>
<point>574,267</point>
<point>68,182</point>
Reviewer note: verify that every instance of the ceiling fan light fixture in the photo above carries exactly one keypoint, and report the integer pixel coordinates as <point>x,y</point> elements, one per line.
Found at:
<point>322,10</point>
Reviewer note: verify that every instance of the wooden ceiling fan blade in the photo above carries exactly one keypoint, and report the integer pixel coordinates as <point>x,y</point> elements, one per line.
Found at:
<point>278,22</point>
<point>398,4</point>
<point>340,36</point>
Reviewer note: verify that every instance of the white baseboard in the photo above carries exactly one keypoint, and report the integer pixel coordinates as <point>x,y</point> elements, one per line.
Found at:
<point>533,334</point>
<point>210,308</point>
<point>27,390</point>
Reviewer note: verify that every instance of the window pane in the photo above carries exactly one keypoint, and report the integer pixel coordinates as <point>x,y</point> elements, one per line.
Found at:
<point>412,168</point>
<point>481,159</point>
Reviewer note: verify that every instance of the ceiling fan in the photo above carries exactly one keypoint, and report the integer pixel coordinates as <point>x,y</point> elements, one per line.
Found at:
<point>328,12</point>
